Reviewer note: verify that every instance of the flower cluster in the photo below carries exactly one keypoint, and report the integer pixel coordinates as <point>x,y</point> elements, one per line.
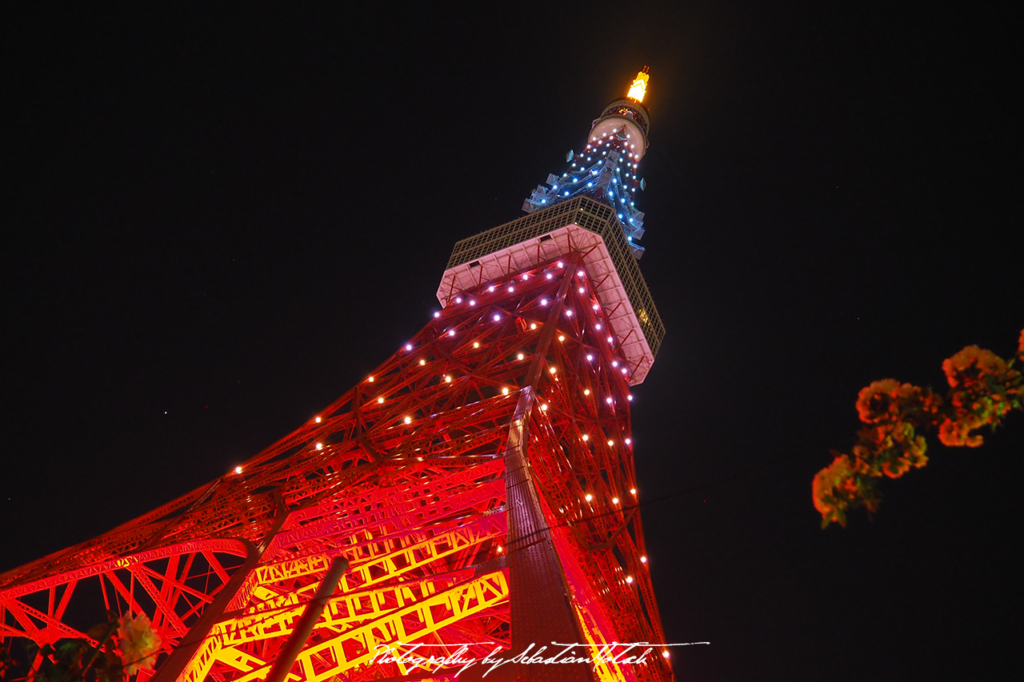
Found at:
<point>138,642</point>
<point>839,487</point>
<point>894,412</point>
<point>890,449</point>
<point>889,401</point>
<point>983,389</point>
<point>124,645</point>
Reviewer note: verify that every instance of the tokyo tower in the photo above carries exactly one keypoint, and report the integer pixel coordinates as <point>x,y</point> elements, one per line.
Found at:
<point>476,495</point>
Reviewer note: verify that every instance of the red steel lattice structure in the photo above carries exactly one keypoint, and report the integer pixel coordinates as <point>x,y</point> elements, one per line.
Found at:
<point>480,484</point>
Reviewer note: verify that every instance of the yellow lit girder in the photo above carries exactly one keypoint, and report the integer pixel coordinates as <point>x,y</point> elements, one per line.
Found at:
<point>606,670</point>
<point>421,612</point>
<point>341,613</point>
<point>451,541</point>
<point>429,616</point>
<point>390,609</point>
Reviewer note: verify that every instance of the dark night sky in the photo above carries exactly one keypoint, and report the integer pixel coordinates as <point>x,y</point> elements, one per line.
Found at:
<point>216,221</point>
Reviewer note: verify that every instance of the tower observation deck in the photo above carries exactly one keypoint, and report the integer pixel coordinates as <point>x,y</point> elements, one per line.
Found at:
<point>475,496</point>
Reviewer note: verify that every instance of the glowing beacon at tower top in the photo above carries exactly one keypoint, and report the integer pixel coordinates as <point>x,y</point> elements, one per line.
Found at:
<point>639,87</point>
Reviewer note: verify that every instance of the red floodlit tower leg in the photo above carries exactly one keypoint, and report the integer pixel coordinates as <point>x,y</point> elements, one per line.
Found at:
<point>547,616</point>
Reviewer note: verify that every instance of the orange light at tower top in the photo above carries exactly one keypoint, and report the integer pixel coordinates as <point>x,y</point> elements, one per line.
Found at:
<point>639,87</point>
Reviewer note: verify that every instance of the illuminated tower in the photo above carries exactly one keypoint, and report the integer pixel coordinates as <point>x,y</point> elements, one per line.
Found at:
<point>480,483</point>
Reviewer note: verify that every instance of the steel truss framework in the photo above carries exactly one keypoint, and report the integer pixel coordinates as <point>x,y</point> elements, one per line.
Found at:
<point>511,399</point>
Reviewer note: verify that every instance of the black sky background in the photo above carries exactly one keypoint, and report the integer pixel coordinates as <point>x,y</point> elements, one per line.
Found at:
<point>216,219</point>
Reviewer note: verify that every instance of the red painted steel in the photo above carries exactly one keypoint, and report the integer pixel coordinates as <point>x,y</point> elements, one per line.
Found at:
<point>480,484</point>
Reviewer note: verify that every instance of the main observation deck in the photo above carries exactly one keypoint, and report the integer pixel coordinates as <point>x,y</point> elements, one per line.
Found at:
<point>581,226</point>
